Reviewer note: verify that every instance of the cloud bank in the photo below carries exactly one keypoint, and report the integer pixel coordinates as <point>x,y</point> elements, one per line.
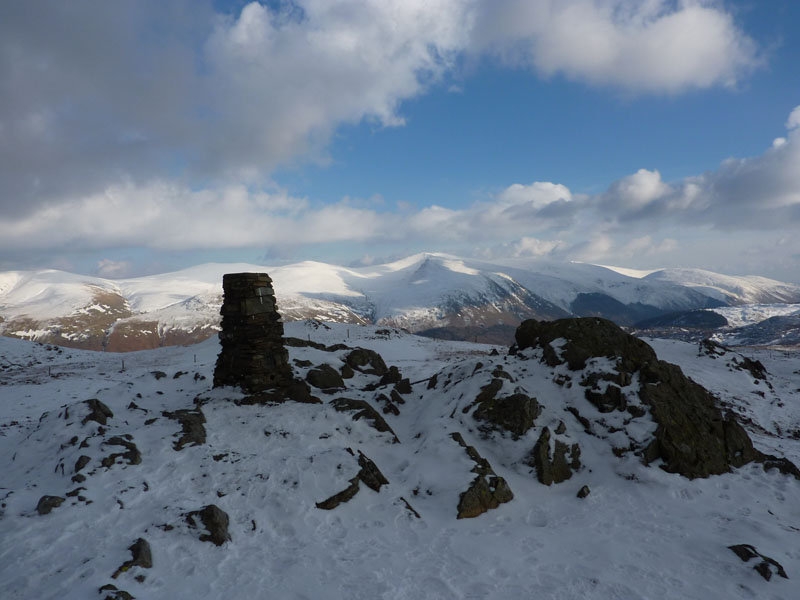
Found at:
<point>93,95</point>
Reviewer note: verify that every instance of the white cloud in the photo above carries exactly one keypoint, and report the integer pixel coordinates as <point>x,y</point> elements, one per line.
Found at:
<point>793,122</point>
<point>113,268</point>
<point>644,45</point>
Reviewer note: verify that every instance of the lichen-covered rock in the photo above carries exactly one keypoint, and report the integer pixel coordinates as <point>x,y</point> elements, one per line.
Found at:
<point>325,377</point>
<point>141,557</point>
<point>215,520</point>
<point>48,503</point>
<point>486,492</point>
<point>363,410</point>
<point>98,412</point>
<point>192,429</point>
<point>366,361</point>
<point>515,413</point>
<point>558,467</point>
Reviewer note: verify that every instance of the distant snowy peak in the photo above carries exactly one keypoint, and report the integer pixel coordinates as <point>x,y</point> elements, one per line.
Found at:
<point>749,289</point>
<point>447,295</point>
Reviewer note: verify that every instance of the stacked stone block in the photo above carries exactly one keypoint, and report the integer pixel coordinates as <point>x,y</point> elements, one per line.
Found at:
<point>253,355</point>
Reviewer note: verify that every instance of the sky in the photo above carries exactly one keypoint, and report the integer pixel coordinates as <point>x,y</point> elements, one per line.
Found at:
<point>139,136</point>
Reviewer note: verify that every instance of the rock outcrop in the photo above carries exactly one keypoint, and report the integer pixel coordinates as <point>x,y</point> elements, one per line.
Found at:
<point>693,437</point>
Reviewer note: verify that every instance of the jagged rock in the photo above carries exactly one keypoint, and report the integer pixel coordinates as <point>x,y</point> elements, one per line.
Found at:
<point>765,566</point>
<point>98,412</point>
<point>403,386</point>
<point>556,469</point>
<point>515,413</point>
<point>433,381</point>
<point>693,438</point>
<point>325,377</point>
<point>585,338</point>
<point>561,428</point>
<point>483,495</point>
<point>116,594</point>
<point>344,496</point>
<point>391,376</point>
<point>82,461</point>
<point>487,491</point>
<point>366,361</point>
<point>215,520</point>
<point>784,465</point>
<point>158,374</point>
<point>608,400</point>
<point>583,492</point>
<point>389,407</point>
<point>500,373</point>
<point>363,410</point>
<point>487,393</point>
<point>48,503</point>
<point>397,398</point>
<point>133,456</point>
<point>369,474</point>
<point>141,557</point>
<point>191,420</point>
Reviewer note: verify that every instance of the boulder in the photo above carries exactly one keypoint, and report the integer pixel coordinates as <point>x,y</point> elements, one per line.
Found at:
<point>325,377</point>
<point>366,361</point>
<point>48,503</point>
<point>215,520</point>
<point>98,412</point>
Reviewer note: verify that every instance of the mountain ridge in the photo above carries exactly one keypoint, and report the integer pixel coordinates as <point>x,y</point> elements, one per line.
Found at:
<point>459,297</point>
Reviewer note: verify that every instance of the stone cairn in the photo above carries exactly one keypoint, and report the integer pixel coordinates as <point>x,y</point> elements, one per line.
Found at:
<point>253,356</point>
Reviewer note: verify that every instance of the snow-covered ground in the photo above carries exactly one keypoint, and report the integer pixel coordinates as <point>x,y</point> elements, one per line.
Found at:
<point>641,532</point>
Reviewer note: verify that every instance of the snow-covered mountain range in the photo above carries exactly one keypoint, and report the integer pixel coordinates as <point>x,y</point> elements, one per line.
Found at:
<point>441,295</point>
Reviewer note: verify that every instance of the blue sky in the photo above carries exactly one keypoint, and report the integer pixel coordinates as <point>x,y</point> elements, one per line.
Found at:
<point>141,137</point>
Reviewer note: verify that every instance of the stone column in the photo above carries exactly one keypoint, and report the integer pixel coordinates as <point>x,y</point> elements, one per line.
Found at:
<point>253,355</point>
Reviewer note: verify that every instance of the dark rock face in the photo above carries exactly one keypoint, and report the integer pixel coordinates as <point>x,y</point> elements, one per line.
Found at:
<point>693,437</point>
<point>325,377</point>
<point>191,420</point>
<point>487,491</point>
<point>82,461</point>
<point>515,413</point>
<point>48,503</point>
<point>215,520</point>
<point>253,356</point>
<point>765,565</point>
<point>558,468</point>
<point>98,412</point>
<point>586,338</point>
<point>363,410</point>
<point>583,492</point>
